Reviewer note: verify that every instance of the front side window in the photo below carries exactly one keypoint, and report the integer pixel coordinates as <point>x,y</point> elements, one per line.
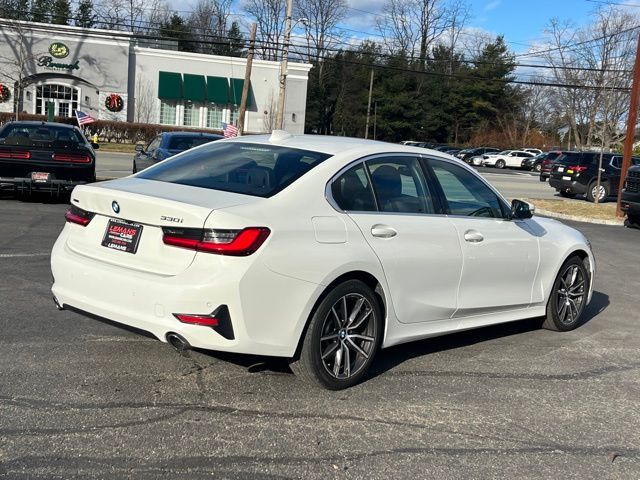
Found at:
<point>251,169</point>
<point>352,191</point>
<point>399,185</point>
<point>465,194</point>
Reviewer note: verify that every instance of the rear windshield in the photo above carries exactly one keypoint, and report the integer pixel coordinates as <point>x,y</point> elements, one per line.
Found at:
<point>185,143</point>
<point>41,136</point>
<point>251,169</point>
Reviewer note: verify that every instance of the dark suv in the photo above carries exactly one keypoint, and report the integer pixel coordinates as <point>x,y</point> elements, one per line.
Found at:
<point>547,163</point>
<point>576,173</point>
<point>631,196</point>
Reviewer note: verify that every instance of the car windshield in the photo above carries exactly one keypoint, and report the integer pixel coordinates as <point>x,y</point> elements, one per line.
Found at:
<point>504,152</point>
<point>251,169</point>
<point>186,142</point>
<point>48,136</point>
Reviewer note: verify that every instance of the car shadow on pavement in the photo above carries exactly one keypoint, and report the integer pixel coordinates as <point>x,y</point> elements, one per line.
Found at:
<point>392,357</point>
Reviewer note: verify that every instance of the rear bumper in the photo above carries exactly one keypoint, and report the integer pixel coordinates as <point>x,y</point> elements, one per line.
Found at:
<point>569,186</point>
<point>267,310</point>
<point>630,202</point>
<point>27,185</point>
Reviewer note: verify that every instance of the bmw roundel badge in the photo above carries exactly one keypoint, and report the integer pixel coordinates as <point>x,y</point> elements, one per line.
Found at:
<point>115,206</point>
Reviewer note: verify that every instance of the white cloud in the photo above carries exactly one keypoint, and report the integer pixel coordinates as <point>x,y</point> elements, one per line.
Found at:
<point>492,5</point>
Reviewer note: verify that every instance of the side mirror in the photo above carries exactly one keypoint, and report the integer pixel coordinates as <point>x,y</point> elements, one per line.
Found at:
<point>139,147</point>
<point>95,146</point>
<point>521,210</point>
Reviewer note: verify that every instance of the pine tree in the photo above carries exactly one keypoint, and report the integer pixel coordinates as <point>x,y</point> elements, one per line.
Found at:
<point>21,9</point>
<point>40,11</point>
<point>176,28</point>
<point>85,15</point>
<point>61,12</point>
<point>235,47</point>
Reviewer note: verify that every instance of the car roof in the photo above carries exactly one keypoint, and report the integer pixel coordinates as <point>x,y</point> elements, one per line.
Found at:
<point>328,144</point>
<point>45,124</point>
<point>191,134</point>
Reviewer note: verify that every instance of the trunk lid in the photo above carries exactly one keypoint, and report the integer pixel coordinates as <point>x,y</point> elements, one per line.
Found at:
<point>151,205</point>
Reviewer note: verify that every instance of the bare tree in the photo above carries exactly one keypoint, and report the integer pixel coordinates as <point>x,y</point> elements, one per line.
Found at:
<point>598,56</point>
<point>269,17</point>
<point>145,101</point>
<point>413,26</point>
<point>129,15</point>
<point>209,22</point>
<point>18,66</point>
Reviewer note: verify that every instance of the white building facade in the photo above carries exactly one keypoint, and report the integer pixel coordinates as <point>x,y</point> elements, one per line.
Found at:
<point>110,76</point>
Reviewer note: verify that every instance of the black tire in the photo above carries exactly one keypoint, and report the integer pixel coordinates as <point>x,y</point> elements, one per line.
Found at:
<point>331,318</point>
<point>500,164</point>
<point>566,194</point>
<point>632,221</point>
<point>564,310</point>
<point>135,170</point>
<point>591,191</point>
<point>543,179</point>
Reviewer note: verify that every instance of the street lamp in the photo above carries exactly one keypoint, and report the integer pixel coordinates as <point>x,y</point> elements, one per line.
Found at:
<point>284,63</point>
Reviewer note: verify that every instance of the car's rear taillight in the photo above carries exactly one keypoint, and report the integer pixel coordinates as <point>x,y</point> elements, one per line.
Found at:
<point>204,320</point>
<point>78,216</point>
<point>223,242</point>
<point>576,169</point>
<point>16,154</point>
<point>71,158</point>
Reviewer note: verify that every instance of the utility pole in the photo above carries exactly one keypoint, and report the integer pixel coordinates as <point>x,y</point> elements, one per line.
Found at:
<point>283,67</point>
<point>247,80</point>
<point>631,128</point>
<point>602,139</point>
<point>366,129</point>
<point>375,118</point>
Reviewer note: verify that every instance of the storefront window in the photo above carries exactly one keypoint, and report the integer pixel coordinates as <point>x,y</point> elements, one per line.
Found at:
<point>63,97</point>
<point>167,112</point>
<point>191,115</point>
<point>235,113</point>
<point>214,116</point>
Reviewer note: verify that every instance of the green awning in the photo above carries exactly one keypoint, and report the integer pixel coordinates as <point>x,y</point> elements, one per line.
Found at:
<point>235,92</point>
<point>195,88</point>
<point>170,86</point>
<point>218,90</point>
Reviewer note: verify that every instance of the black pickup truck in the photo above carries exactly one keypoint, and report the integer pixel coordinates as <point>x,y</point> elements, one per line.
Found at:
<point>44,156</point>
<point>631,196</point>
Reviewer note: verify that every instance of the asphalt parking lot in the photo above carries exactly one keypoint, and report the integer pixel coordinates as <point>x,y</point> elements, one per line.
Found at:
<point>81,398</point>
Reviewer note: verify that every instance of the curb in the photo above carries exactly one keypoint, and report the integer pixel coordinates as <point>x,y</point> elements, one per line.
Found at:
<point>575,218</point>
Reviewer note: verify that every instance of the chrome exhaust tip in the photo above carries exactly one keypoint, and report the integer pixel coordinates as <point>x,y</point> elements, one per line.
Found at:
<point>57,304</point>
<point>178,342</point>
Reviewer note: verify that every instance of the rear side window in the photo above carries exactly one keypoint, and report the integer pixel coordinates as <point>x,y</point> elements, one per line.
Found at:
<point>352,191</point>
<point>38,135</point>
<point>399,185</point>
<point>251,169</point>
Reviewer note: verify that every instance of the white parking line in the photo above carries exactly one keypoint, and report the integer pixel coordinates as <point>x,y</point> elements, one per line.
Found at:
<point>14,255</point>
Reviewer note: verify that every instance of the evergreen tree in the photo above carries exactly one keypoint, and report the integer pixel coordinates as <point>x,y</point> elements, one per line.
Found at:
<point>177,29</point>
<point>85,15</point>
<point>41,11</point>
<point>235,45</point>
<point>14,9</point>
<point>61,12</point>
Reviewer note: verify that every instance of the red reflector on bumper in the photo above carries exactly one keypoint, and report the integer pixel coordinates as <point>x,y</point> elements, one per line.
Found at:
<point>205,320</point>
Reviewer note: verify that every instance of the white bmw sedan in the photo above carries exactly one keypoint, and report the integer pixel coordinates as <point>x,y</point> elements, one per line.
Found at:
<point>318,249</point>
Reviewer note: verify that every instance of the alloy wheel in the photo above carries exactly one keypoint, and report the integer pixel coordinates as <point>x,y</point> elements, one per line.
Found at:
<point>599,194</point>
<point>348,336</point>
<point>570,295</point>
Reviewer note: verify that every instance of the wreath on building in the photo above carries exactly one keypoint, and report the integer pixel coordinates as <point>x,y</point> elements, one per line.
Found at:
<point>114,102</point>
<point>5,94</point>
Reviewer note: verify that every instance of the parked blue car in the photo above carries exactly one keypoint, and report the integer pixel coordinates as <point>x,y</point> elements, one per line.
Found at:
<point>168,144</point>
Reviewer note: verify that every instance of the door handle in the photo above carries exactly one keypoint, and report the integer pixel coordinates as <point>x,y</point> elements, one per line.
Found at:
<point>472,236</point>
<point>383,231</point>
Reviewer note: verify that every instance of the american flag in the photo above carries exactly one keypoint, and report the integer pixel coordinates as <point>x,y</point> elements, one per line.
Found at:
<point>83,118</point>
<point>229,130</point>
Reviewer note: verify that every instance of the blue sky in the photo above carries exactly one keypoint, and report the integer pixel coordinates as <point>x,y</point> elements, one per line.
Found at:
<point>523,21</point>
